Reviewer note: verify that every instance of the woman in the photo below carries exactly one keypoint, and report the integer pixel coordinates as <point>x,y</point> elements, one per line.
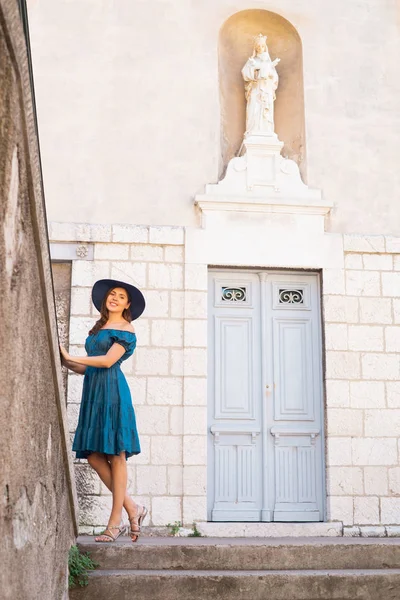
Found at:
<point>106,434</point>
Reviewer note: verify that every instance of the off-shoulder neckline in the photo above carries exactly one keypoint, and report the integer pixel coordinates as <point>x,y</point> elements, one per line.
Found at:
<point>120,330</point>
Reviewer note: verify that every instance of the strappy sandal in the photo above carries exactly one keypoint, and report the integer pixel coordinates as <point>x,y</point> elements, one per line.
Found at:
<point>110,536</point>
<point>137,521</point>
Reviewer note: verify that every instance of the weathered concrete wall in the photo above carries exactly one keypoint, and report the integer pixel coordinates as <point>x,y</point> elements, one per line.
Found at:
<point>129,106</point>
<point>37,508</point>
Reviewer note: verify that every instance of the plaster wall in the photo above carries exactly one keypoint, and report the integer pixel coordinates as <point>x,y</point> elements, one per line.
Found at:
<point>129,108</point>
<point>37,508</point>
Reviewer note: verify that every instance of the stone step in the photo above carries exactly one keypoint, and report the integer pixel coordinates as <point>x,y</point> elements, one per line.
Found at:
<point>241,585</point>
<point>245,554</point>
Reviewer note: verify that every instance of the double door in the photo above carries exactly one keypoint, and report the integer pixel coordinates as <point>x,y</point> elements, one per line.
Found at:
<point>265,409</point>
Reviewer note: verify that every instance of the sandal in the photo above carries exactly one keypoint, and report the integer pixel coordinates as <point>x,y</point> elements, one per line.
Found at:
<point>137,520</point>
<point>110,536</point>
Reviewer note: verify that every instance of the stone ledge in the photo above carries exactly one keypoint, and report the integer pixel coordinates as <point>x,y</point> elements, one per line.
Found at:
<point>266,530</point>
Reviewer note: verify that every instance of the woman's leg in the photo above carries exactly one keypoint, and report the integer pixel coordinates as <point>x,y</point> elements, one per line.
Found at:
<point>100,464</point>
<point>119,475</point>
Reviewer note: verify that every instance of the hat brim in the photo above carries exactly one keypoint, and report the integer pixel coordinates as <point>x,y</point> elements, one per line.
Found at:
<point>136,297</point>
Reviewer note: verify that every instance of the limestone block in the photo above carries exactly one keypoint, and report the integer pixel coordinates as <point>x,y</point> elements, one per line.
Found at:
<point>393,244</point>
<point>336,336</point>
<point>392,339</point>
<point>195,420</point>
<point>337,393</point>
<point>72,416</point>
<point>142,329</point>
<point>375,310</point>
<point>195,333</point>
<point>195,305</point>
<point>111,252</point>
<point>364,243</point>
<point>165,276</point>
<point>175,480</point>
<point>376,481</point>
<point>377,531</point>
<point>80,301</point>
<point>365,337</point>
<point>343,365</point>
<point>380,366</point>
<point>393,394</point>
<point>75,385</point>
<point>374,451</point>
<point>173,236</point>
<point>95,511</point>
<point>138,387</point>
<point>396,310</point>
<point>393,530</point>
<point>378,262</point>
<point>340,309</point>
<point>164,390</point>
<point>339,451</point>
<point>367,394</point>
<point>86,272</point>
<point>195,391</point>
<point>390,511</point>
<point>344,481</point>
<point>152,361</point>
<point>396,262</point>
<point>167,509</point>
<point>146,253</point>
<point>351,531</point>
<point>363,283</point>
<point>344,421</point>
<point>167,332</point>
<point>195,362</point>
<point>394,481</point>
<point>157,303</point>
<point>144,457</point>
<point>166,450</point>
<point>177,305</point>
<point>366,510</point>
<point>391,284</point>
<point>333,281</point>
<point>176,420</point>
<point>340,508</point>
<point>196,277</point>
<point>194,509</point>
<point>79,232</point>
<point>177,362</point>
<point>152,420</point>
<point>195,450</point>
<point>130,233</point>
<point>151,479</point>
<point>173,254</point>
<point>194,480</point>
<point>353,261</point>
<point>87,480</point>
<point>131,272</point>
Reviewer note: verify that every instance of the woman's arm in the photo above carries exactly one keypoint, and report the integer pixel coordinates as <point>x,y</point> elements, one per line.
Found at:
<point>102,362</point>
<point>80,369</point>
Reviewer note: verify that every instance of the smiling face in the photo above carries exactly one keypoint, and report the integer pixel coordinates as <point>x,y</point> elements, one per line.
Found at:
<point>117,300</point>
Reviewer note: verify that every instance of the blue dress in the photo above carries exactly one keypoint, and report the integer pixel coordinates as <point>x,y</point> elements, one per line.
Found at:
<point>107,420</point>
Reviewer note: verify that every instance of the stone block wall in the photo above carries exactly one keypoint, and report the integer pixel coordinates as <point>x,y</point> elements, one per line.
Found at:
<point>362,341</point>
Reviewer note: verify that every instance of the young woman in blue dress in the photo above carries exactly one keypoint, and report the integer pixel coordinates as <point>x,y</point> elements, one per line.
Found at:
<point>106,434</point>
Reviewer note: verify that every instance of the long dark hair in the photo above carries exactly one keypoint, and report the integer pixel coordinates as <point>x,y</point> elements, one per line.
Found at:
<point>104,314</point>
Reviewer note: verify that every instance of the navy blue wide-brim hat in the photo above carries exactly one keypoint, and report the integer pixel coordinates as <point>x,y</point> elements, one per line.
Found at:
<point>136,297</point>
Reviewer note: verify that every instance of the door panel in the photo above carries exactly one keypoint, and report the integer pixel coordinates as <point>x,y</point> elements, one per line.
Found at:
<point>265,397</point>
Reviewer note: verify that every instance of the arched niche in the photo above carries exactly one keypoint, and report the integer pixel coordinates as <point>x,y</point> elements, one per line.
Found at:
<point>235,46</point>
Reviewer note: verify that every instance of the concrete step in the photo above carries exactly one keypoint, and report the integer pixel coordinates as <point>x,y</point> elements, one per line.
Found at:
<point>245,554</point>
<point>241,585</point>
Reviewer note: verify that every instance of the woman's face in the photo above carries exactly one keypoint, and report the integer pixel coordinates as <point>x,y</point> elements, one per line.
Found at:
<point>117,300</point>
<point>260,47</point>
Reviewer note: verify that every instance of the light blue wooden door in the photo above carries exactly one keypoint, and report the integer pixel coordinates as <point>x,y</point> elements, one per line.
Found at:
<point>265,444</point>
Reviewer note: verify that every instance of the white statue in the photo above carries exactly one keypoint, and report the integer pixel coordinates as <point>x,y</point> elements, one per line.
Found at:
<point>261,80</point>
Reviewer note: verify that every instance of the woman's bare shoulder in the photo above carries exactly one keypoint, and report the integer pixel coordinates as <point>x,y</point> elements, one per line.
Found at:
<point>129,327</point>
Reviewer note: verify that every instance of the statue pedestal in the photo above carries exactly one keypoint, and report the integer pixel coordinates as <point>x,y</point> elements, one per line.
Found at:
<point>262,181</point>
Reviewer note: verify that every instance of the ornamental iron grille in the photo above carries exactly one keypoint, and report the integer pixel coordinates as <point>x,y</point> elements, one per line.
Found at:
<point>233,294</point>
<point>291,296</point>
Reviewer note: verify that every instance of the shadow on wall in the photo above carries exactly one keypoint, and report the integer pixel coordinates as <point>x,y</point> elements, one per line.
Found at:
<point>236,41</point>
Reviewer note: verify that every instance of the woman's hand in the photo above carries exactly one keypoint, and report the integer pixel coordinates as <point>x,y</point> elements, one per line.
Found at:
<point>65,357</point>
